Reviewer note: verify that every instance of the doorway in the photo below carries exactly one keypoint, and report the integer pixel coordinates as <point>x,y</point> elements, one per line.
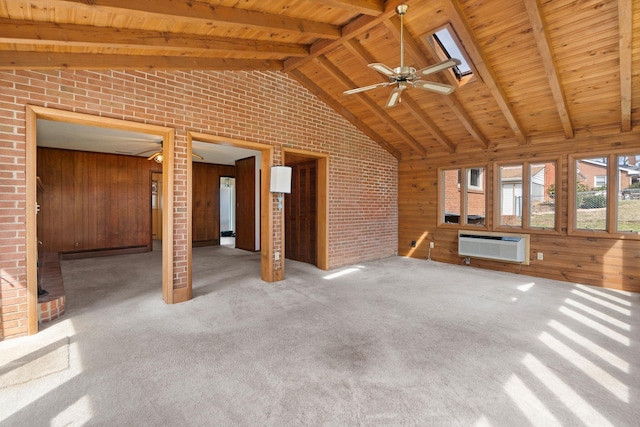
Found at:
<point>33,114</point>
<point>300,216</point>
<point>264,220</point>
<point>310,231</point>
<point>228,211</point>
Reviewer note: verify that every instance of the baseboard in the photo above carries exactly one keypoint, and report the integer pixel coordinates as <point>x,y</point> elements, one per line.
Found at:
<point>201,243</point>
<point>94,253</point>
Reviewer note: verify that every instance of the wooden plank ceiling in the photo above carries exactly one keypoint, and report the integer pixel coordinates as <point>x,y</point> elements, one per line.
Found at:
<point>542,70</point>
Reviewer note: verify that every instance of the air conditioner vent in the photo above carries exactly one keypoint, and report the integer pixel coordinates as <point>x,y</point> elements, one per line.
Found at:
<point>502,247</point>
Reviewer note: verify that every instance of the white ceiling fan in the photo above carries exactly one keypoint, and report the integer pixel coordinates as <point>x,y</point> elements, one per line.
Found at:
<point>404,77</point>
<point>158,156</point>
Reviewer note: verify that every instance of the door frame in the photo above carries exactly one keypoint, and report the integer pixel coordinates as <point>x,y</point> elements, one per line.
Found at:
<point>33,113</point>
<point>322,220</point>
<point>266,212</point>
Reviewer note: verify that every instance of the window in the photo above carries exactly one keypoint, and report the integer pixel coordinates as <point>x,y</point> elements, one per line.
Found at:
<point>542,195</point>
<point>462,203</point>
<point>445,44</point>
<point>600,181</point>
<point>511,180</point>
<point>526,195</point>
<point>476,200</point>
<point>475,179</point>
<point>612,205</point>
<point>590,200</point>
<point>628,211</point>
<point>451,196</point>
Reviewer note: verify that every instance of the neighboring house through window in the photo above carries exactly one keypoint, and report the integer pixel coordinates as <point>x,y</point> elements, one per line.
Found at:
<point>466,201</point>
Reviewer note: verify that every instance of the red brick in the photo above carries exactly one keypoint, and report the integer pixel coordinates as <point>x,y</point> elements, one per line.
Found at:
<point>241,105</point>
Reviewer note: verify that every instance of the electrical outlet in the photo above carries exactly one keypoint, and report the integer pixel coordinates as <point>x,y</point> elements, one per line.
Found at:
<point>540,256</point>
<point>276,256</point>
<point>413,243</point>
<point>432,245</point>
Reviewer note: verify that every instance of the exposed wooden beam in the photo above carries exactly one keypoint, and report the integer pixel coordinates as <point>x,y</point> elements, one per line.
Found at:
<point>413,49</point>
<point>625,19</point>
<point>365,58</point>
<point>77,61</point>
<point>465,33</point>
<point>45,33</point>
<point>373,107</point>
<point>365,7</point>
<point>330,101</point>
<point>541,35</point>
<point>204,13</point>
<point>349,31</point>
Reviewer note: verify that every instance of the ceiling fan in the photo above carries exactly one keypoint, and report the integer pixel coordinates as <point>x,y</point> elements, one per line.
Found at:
<point>158,156</point>
<point>404,77</point>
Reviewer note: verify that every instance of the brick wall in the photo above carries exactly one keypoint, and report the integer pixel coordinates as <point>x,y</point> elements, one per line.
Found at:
<point>265,107</point>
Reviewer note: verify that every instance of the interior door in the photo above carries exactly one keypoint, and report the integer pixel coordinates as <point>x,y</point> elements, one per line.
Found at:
<point>246,204</point>
<point>300,213</point>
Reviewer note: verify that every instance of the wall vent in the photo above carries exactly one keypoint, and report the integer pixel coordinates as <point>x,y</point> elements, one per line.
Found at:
<point>497,246</point>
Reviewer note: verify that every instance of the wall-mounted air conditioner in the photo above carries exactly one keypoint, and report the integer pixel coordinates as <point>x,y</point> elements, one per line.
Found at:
<point>508,247</point>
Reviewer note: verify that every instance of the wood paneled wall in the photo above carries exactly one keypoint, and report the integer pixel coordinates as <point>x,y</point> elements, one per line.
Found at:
<point>600,260</point>
<point>206,202</point>
<point>93,200</point>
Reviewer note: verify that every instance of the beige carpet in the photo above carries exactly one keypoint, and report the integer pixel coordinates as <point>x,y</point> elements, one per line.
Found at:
<point>26,360</point>
<point>392,342</point>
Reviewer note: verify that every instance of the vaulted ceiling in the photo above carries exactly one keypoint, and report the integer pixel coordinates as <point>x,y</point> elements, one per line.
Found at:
<point>542,70</point>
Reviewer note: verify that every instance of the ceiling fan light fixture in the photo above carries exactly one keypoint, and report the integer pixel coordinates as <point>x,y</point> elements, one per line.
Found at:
<point>394,97</point>
<point>159,158</point>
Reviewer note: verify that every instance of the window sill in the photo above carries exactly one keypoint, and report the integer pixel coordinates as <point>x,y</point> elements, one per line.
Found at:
<point>529,230</point>
<point>602,234</point>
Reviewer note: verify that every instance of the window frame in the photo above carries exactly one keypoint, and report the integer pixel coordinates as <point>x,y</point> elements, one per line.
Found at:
<point>463,191</point>
<point>611,229</point>
<point>526,196</point>
<point>439,52</point>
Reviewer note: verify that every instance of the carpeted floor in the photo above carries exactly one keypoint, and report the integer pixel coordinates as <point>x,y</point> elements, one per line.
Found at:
<point>392,342</point>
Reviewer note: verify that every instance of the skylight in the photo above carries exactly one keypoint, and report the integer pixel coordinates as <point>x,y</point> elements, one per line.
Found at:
<point>451,49</point>
<point>446,44</point>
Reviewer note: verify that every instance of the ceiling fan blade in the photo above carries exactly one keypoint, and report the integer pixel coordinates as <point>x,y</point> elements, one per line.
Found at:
<point>394,98</point>
<point>362,89</point>
<point>438,67</point>
<point>197,156</point>
<point>434,87</point>
<point>383,69</point>
<point>145,152</point>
